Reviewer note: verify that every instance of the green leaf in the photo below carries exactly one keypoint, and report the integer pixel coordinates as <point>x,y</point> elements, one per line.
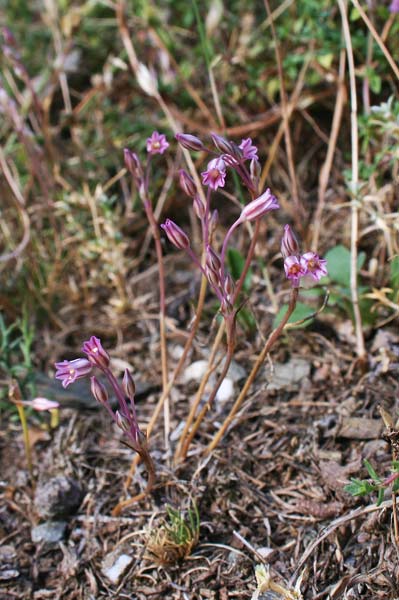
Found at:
<point>301,312</point>
<point>339,264</point>
<point>394,273</point>
<point>371,471</point>
<point>380,496</point>
<point>236,262</point>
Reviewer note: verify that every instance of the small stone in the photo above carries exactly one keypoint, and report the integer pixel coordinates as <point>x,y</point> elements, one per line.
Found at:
<point>288,375</point>
<point>8,554</point>
<point>360,428</point>
<point>58,497</point>
<point>115,565</point>
<point>195,371</point>
<point>49,532</point>
<point>7,574</point>
<point>226,391</point>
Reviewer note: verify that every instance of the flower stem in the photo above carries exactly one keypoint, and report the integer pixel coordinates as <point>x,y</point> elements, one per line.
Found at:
<point>269,344</point>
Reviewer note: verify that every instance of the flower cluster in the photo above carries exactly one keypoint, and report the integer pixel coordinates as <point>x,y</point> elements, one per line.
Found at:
<point>305,269</point>
<point>68,371</point>
<point>236,157</point>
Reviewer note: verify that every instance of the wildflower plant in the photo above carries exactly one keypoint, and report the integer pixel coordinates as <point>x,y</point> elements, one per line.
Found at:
<point>223,157</point>
<point>69,371</point>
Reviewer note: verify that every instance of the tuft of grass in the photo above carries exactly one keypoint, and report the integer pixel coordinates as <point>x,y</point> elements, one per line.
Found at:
<point>175,537</point>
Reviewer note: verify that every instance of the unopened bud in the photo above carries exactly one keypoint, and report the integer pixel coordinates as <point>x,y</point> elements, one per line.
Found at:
<point>175,235</point>
<point>255,171</point>
<point>228,286</point>
<point>122,421</point>
<point>133,164</point>
<point>212,259</point>
<point>187,184</point>
<point>212,277</point>
<point>198,207</point>
<point>128,385</point>
<point>98,390</point>
<point>259,207</point>
<point>190,142</point>
<point>289,243</point>
<point>213,223</point>
<point>222,144</point>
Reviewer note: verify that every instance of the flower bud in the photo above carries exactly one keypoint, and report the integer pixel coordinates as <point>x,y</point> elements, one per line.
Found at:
<point>133,164</point>
<point>175,235</point>
<point>222,144</point>
<point>226,307</point>
<point>289,243</point>
<point>128,385</point>
<point>228,286</point>
<point>190,142</point>
<point>122,421</point>
<point>255,171</point>
<point>212,259</point>
<point>96,353</point>
<point>198,207</point>
<point>259,207</point>
<point>212,276</point>
<point>213,223</point>
<point>187,184</point>
<point>98,390</point>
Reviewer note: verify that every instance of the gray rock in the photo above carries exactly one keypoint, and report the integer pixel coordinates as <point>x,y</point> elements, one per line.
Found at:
<point>115,564</point>
<point>58,497</point>
<point>49,532</point>
<point>288,375</point>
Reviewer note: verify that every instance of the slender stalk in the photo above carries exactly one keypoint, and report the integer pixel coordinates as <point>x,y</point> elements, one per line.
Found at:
<point>25,433</point>
<point>208,405</point>
<point>162,313</point>
<point>268,346</point>
<point>147,460</point>
<point>210,369</point>
<point>176,373</point>
<point>14,394</point>
<point>360,347</point>
<point>286,116</point>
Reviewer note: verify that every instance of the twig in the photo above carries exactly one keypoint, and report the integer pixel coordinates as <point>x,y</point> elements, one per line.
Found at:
<point>327,165</point>
<point>360,347</point>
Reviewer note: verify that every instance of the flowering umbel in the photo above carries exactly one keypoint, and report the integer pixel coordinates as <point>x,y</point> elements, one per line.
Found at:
<point>303,269</point>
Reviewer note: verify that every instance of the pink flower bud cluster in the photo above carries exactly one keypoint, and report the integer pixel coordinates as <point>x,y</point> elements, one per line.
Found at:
<point>306,269</point>
<point>68,371</point>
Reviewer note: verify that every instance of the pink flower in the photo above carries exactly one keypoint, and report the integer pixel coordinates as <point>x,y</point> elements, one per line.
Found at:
<point>259,207</point>
<point>295,268</point>
<point>248,149</point>
<point>215,174</point>
<point>394,6</point>
<point>40,403</point>
<point>175,234</point>
<point>69,371</point>
<point>157,144</point>
<point>96,353</point>
<point>315,266</point>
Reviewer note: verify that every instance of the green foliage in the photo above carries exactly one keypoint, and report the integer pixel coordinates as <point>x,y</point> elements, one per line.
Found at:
<point>182,529</point>
<point>364,487</point>
<point>16,342</point>
<point>338,280</point>
<point>236,262</point>
<point>302,311</point>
